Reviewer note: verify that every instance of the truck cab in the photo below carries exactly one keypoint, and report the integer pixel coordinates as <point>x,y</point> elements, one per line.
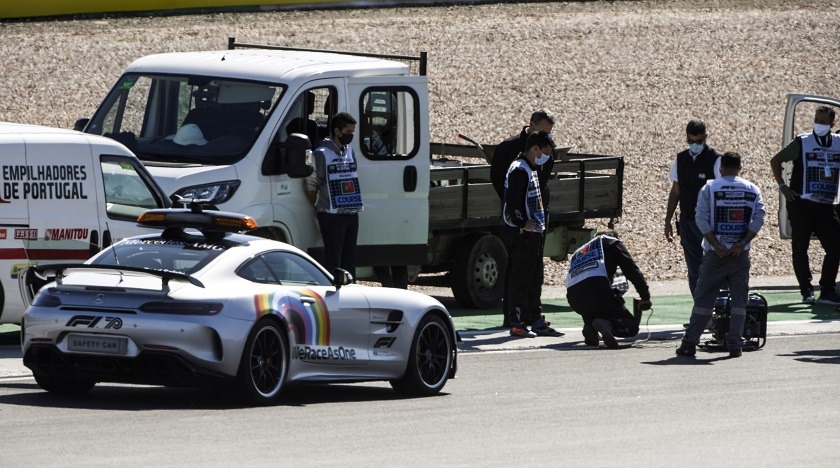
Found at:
<point>217,125</point>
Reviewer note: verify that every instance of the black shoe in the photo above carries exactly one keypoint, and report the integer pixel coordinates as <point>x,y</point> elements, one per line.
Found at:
<point>687,349</point>
<point>590,336</point>
<point>829,296</point>
<point>808,297</point>
<point>735,353</point>
<point>604,327</point>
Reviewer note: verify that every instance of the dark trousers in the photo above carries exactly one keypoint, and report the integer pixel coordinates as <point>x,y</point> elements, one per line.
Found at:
<point>339,232</point>
<point>594,298</point>
<point>509,238</point>
<point>691,240</point>
<point>807,218</point>
<point>524,282</point>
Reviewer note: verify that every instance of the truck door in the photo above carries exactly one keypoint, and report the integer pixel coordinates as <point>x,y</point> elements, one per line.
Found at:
<point>124,190</point>
<point>799,119</point>
<point>392,147</point>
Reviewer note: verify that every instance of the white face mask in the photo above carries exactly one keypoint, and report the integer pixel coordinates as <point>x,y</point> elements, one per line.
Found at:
<point>542,159</point>
<point>821,129</point>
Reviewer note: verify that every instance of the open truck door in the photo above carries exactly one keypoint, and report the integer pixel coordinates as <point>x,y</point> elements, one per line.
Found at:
<point>799,119</point>
<point>393,164</point>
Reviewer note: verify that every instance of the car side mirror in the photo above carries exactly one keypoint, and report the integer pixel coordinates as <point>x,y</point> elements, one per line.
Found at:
<point>288,157</point>
<point>341,277</point>
<point>80,124</point>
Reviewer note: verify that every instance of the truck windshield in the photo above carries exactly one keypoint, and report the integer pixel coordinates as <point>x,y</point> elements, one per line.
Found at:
<point>188,119</point>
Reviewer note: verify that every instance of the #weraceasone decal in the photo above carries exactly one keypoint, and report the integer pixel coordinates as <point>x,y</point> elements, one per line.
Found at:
<point>310,325</point>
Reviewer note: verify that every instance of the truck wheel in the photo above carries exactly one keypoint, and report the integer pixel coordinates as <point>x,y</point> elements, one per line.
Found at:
<point>479,271</point>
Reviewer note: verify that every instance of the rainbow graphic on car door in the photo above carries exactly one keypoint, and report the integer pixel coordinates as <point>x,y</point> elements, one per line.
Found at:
<point>310,323</point>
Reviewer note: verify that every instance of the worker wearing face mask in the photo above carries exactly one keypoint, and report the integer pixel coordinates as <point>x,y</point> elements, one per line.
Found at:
<point>689,173</point>
<point>506,152</point>
<point>523,214</point>
<point>812,199</point>
<point>334,189</point>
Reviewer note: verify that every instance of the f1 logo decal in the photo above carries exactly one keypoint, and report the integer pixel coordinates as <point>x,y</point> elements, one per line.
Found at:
<point>91,321</point>
<point>384,342</point>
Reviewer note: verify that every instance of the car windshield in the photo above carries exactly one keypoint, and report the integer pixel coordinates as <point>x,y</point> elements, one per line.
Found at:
<point>186,119</point>
<point>182,255</point>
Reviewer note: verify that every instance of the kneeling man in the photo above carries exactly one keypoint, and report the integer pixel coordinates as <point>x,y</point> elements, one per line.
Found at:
<point>590,293</point>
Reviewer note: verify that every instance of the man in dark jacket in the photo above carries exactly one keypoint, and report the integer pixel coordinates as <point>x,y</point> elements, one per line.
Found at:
<point>590,293</point>
<point>503,156</point>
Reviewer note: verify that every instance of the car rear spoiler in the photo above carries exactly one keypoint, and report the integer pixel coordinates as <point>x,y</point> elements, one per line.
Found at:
<point>33,278</point>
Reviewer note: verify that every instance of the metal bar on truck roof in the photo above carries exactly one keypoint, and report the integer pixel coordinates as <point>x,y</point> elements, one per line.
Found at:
<point>422,58</point>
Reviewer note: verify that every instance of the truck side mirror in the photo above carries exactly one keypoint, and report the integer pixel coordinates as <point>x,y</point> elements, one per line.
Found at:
<point>288,157</point>
<point>80,124</point>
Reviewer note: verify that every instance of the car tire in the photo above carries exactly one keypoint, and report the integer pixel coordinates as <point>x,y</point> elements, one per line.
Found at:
<point>478,274</point>
<point>264,364</point>
<point>63,386</point>
<point>429,360</point>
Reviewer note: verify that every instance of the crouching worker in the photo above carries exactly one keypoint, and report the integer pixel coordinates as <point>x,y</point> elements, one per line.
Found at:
<point>590,293</point>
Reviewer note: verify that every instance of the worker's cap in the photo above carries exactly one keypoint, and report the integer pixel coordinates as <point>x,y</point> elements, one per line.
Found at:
<point>189,134</point>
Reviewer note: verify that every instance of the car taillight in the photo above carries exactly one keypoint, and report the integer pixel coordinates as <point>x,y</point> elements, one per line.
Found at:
<point>45,299</point>
<point>182,308</point>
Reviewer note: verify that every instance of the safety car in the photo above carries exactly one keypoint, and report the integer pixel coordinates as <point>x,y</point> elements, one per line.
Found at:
<point>200,304</point>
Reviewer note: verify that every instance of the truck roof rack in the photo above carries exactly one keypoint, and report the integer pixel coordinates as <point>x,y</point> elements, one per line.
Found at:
<point>420,59</point>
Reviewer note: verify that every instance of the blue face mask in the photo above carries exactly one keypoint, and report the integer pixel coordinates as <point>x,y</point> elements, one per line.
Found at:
<point>542,159</point>
<point>696,148</point>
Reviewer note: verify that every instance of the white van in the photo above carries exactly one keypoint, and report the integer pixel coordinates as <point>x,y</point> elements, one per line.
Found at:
<point>64,195</point>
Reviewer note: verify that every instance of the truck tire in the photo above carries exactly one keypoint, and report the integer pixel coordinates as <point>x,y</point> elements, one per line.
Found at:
<point>479,271</point>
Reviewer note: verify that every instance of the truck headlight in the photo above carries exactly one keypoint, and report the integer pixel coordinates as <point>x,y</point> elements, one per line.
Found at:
<point>215,193</point>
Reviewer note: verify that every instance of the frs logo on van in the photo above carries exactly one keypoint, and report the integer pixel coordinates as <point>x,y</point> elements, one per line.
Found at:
<point>26,234</point>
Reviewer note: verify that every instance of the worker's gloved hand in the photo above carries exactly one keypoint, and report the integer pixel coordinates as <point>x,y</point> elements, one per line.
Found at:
<point>645,304</point>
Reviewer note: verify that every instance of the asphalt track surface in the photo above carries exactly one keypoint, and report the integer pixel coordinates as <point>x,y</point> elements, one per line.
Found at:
<point>562,404</point>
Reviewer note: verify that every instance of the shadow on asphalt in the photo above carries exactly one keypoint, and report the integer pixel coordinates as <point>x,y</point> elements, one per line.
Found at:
<point>818,356</point>
<point>112,397</point>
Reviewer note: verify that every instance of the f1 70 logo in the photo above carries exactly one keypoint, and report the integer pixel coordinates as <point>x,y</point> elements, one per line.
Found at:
<point>90,321</point>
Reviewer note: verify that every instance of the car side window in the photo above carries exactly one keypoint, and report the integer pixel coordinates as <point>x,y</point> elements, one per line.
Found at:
<point>389,124</point>
<point>286,268</point>
<point>257,271</point>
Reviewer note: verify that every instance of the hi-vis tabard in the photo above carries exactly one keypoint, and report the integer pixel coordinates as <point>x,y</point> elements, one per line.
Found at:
<point>821,166</point>
<point>732,205</point>
<point>342,180</point>
<point>587,262</point>
<point>533,200</point>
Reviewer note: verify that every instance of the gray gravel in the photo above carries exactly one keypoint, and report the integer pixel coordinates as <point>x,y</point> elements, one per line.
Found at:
<point>622,77</point>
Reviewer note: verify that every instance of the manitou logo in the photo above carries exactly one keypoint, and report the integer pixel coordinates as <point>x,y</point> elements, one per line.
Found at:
<point>90,321</point>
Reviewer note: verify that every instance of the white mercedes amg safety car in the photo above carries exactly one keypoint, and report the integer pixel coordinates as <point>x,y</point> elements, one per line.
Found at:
<point>199,304</point>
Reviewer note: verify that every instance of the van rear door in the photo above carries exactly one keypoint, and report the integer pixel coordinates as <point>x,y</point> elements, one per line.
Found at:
<point>799,119</point>
<point>14,217</point>
<point>59,187</point>
<point>392,147</point>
